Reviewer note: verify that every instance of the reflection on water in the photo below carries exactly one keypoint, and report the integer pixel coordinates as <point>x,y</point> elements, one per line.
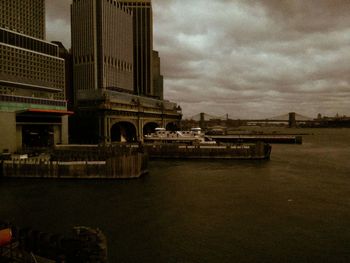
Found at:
<point>293,208</point>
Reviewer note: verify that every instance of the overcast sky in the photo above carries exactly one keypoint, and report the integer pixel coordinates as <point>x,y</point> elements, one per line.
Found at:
<point>247,58</point>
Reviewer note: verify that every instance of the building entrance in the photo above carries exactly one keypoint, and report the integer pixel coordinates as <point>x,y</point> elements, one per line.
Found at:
<point>123,132</point>
<point>37,136</point>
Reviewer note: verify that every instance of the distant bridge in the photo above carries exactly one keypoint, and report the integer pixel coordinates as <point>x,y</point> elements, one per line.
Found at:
<point>292,119</point>
<point>285,117</point>
<point>280,118</point>
<point>205,117</point>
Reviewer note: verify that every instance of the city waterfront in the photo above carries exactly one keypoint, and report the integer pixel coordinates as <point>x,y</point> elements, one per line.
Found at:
<point>292,208</point>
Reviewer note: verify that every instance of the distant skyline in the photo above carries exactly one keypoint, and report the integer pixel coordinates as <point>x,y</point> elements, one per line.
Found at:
<point>247,58</point>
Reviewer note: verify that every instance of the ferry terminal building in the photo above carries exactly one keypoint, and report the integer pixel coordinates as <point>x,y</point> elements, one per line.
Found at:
<point>117,82</point>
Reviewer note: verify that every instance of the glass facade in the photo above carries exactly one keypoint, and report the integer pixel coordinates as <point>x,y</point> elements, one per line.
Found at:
<point>22,41</point>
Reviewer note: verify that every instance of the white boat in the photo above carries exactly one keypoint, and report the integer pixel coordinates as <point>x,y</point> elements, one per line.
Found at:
<point>195,136</point>
<point>194,144</point>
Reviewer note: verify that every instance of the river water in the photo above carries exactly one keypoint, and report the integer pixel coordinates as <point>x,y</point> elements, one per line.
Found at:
<point>293,208</point>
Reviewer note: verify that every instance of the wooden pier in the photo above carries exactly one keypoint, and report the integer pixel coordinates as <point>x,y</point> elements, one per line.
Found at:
<point>80,162</point>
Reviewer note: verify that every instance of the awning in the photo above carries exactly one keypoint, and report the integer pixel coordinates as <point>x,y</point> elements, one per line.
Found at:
<point>49,112</point>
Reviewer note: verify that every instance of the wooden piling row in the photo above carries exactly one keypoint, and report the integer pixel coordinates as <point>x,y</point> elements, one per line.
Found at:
<point>115,167</point>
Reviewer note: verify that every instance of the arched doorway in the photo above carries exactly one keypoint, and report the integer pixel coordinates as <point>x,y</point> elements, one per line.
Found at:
<point>149,128</point>
<point>172,126</point>
<point>123,132</point>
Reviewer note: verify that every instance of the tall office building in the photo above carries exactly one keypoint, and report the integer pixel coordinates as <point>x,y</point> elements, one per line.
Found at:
<point>158,81</point>
<point>112,54</point>
<point>101,47</point>
<point>143,44</point>
<point>32,97</point>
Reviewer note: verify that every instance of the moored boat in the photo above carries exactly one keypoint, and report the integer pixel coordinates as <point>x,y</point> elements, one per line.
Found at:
<point>194,136</point>
<point>195,145</point>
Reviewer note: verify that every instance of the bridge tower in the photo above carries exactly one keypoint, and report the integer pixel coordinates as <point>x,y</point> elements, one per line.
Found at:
<point>292,120</point>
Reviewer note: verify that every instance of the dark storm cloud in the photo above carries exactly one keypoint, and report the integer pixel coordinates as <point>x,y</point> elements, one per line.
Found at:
<point>247,58</point>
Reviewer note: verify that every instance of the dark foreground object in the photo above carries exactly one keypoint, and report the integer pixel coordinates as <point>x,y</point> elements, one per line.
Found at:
<point>255,151</point>
<point>285,139</point>
<point>29,245</point>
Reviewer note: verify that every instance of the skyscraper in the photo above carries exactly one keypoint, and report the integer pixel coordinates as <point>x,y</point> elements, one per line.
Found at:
<point>32,97</point>
<point>158,82</point>
<point>143,44</point>
<point>101,47</point>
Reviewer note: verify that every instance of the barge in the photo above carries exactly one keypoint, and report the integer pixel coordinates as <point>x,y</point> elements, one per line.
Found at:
<point>248,138</point>
<point>256,151</point>
<point>195,145</point>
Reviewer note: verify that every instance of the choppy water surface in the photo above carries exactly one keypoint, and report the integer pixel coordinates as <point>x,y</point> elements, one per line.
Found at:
<point>293,208</point>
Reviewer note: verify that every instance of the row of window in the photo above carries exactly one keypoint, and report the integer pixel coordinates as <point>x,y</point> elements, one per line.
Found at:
<point>28,73</point>
<point>25,16</point>
<point>30,62</point>
<point>132,4</point>
<point>27,3</point>
<point>124,6</point>
<point>31,78</point>
<point>31,72</point>
<point>84,77</point>
<point>122,80</point>
<point>110,61</point>
<point>32,66</point>
<point>36,45</point>
<point>83,59</point>
<point>119,64</point>
<point>119,6</point>
<point>20,99</point>
<point>15,11</point>
<point>20,92</point>
<point>35,32</point>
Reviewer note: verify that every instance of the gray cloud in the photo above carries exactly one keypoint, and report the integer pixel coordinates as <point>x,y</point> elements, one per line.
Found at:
<point>247,58</point>
<point>58,21</point>
<point>307,16</point>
